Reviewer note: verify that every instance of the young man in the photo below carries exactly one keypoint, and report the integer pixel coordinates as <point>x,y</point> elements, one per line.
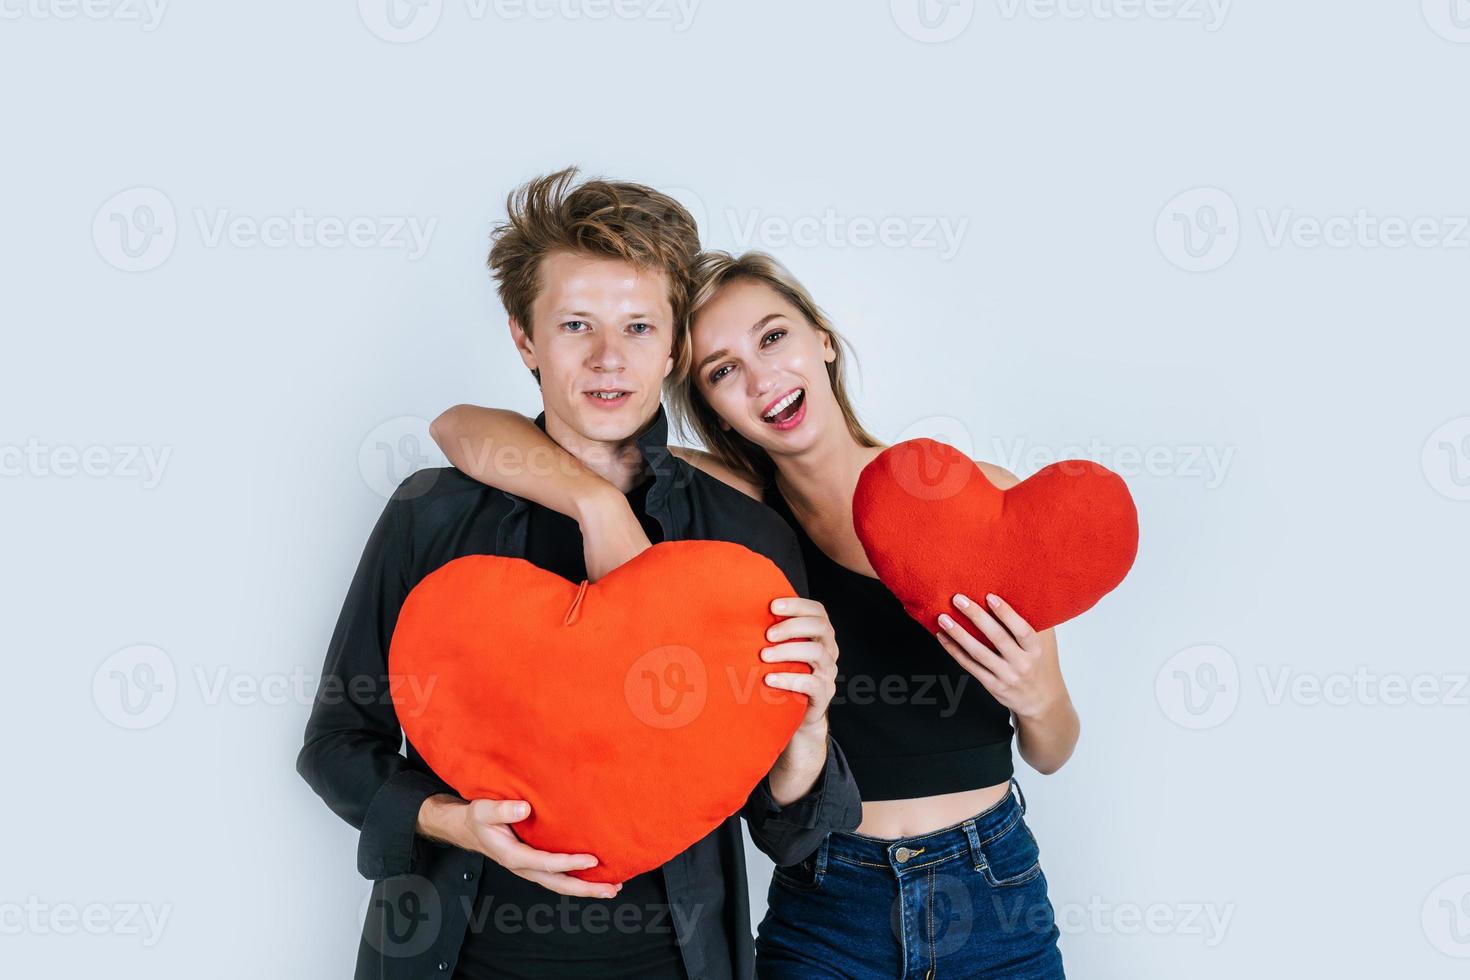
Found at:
<point>594,278</point>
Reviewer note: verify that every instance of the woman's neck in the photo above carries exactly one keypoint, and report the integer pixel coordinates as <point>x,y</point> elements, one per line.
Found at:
<point>818,484</point>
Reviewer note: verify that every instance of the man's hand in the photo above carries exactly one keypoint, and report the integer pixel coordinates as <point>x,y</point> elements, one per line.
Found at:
<point>483,826</point>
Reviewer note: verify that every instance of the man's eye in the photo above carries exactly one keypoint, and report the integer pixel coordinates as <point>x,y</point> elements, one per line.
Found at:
<point>718,373</point>
<point>641,328</point>
<point>768,338</point>
<point>575,325</point>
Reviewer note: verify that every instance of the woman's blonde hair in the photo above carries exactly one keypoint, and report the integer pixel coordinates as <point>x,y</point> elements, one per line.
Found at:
<point>711,272</point>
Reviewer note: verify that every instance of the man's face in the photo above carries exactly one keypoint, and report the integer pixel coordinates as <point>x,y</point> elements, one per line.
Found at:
<point>602,335</point>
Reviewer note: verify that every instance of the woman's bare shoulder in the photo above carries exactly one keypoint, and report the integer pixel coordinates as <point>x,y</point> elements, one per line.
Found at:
<point>1003,478</point>
<point>708,463</point>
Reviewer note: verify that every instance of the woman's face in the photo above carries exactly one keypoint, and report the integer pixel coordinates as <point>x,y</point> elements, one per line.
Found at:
<point>762,367</point>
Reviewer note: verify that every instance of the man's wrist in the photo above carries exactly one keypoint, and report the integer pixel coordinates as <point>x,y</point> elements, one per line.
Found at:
<point>440,818</point>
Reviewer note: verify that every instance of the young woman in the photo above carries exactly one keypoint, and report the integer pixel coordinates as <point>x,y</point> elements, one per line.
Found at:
<point>942,877</point>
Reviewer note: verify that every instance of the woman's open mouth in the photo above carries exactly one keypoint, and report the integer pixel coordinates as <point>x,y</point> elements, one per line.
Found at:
<point>787,411</point>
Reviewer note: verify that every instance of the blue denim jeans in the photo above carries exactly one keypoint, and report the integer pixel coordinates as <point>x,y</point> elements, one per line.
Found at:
<point>965,901</point>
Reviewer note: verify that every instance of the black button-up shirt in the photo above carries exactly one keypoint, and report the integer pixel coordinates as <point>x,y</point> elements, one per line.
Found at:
<point>424,890</point>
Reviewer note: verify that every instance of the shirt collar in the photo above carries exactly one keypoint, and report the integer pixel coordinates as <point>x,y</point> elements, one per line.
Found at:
<point>671,510</point>
<point>652,442</point>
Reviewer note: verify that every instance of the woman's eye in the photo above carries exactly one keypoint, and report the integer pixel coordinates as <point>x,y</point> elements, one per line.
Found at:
<point>575,325</point>
<point>772,337</point>
<point>718,373</point>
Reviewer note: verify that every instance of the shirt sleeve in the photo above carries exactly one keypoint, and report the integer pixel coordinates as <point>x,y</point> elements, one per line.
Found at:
<point>351,754</point>
<point>787,834</point>
<point>788,558</point>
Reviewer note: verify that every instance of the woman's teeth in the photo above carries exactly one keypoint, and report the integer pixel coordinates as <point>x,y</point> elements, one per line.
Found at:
<point>782,405</point>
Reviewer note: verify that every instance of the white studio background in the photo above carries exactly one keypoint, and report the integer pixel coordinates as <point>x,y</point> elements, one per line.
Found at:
<point>1221,247</point>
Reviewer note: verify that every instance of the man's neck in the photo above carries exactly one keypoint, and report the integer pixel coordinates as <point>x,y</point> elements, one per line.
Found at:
<point>619,463</point>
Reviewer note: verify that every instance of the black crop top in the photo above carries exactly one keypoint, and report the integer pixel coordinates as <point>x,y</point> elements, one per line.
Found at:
<point>910,720</point>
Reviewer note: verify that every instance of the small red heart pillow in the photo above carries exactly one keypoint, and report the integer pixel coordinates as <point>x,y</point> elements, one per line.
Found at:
<point>933,525</point>
<point>631,713</point>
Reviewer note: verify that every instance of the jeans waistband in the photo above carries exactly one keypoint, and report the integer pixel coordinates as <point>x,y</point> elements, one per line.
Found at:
<point>966,838</point>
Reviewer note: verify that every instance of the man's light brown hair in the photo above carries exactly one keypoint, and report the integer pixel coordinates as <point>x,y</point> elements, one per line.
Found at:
<point>609,219</point>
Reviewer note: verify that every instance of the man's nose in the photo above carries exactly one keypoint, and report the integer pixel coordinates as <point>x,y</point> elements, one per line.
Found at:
<point>606,354</point>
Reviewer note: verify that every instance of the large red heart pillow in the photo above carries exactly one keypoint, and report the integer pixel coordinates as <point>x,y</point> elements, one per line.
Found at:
<point>631,713</point>
<point>932,525</point>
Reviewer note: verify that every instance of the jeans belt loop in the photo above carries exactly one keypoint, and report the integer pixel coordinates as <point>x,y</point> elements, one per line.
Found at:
<point>1020,796</point>
<point>976,854</point>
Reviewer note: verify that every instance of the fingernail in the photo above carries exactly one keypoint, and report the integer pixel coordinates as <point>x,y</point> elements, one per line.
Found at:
<point>589,863</point>
<point>962,601</point>
<point>945,621</point>
<point>520,809</point>
<point>779,605</point>
<point>993,599</point>
<point>766,653</point>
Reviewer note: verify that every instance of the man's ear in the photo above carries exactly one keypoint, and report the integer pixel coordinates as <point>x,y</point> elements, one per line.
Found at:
<point>524,344</point>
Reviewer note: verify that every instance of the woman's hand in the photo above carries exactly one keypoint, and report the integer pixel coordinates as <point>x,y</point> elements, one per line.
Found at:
<point>1022,672</point>
<point>611,533</point>
<point>805,635</point>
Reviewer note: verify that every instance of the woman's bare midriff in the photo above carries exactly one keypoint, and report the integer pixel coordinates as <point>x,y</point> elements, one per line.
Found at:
<point>890,819</point>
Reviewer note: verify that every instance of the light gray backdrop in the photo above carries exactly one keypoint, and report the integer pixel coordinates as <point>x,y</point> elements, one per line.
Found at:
<point>1220,247</point>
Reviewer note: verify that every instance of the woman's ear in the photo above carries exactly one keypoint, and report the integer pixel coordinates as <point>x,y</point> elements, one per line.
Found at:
<point>829,350</point>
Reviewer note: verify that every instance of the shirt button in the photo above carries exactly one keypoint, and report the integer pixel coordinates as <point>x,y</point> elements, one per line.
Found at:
<point>469,876</point>
<point>443,964</point>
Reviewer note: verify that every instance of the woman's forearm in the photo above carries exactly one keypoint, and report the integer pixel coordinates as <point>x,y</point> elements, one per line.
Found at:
<point>508,451</point>
<point>1047,740</point>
